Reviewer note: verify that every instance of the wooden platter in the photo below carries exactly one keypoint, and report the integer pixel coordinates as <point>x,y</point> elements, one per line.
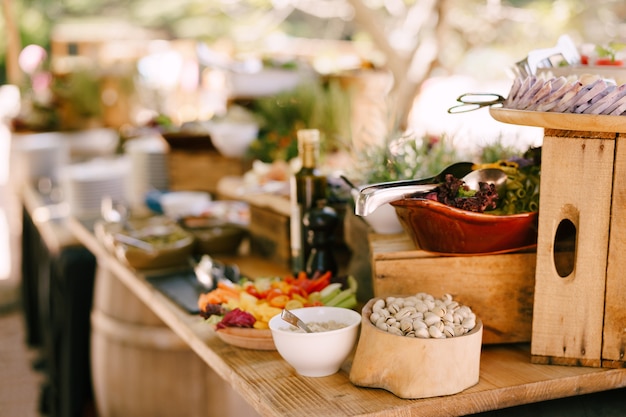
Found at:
<point>255,339</point>
<point>560,121</point>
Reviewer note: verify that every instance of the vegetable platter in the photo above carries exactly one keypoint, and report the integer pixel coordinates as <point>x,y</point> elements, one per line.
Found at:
<point>240,312</point>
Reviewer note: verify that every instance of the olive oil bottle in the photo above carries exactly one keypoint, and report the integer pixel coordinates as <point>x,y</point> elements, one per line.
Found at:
<point>307,186</point>
<point>320,223</point>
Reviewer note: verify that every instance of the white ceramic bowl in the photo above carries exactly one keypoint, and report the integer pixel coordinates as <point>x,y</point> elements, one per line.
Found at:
<point>232,139</point>
<point>179,204</point>
<point>320,353</point>
<point>383,220</point>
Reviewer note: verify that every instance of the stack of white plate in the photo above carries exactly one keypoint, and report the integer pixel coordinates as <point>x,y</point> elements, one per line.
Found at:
<point>38,156</point>
<point>91,143</point>
<point>85,184</point>
<point>148,167</point>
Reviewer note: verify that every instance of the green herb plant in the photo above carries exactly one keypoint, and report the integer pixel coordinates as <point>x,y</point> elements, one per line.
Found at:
<point>404,156</point>
<point>610,50</point>
<point>319,104</point>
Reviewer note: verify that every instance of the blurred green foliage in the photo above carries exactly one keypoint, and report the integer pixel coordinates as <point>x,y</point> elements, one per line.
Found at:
<point>404,156</point>
<point>514,25</point>
<point>322,105</point>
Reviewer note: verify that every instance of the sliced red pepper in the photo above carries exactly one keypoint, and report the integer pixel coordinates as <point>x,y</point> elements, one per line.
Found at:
<point>272,293</point>
<point>609,62</point>
<point>302,279</point>
<point>300,282</point>
<point>252,290</point>
<point>297,290</point>
<point>319,284</point>
<point>316,274</point>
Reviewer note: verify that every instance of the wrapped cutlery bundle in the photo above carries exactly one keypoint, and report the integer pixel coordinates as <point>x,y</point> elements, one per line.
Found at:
<point>585,94</point>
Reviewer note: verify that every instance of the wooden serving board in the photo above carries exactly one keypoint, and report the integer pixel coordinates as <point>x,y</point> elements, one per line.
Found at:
<point>255,339</point>
<point>560,121</point>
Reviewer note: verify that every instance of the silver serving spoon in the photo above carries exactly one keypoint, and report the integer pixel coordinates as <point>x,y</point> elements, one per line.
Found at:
<point>294,320</point>
<point>493,176</point>
<point>374,196</point>
<point>114,211</point>
<point>137,243</point>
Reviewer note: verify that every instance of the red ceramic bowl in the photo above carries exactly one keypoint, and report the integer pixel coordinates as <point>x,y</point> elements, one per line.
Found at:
<point>436,227</point>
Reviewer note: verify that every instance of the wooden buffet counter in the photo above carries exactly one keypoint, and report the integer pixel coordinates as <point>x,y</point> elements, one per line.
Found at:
<point>272,388</point>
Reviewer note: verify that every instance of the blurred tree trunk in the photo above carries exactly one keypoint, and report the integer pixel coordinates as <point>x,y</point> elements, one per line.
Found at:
<point>14,75</point>
<point>410,68</point>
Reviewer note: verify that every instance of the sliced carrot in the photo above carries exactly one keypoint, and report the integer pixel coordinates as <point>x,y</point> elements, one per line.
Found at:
<point>227,287</point>
<point>279,301</point>
<point>218,296</point>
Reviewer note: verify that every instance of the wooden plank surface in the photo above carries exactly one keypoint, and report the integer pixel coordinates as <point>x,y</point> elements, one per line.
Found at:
<point>576,187</point>
<point>560,121</point>
<point>270,385</point>
<point>614,340</point>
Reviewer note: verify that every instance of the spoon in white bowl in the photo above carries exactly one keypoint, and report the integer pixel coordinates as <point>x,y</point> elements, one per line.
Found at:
<point>294,320</point>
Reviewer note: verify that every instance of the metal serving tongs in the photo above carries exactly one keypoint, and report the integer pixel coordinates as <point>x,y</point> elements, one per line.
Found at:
<point>209,272</point>
<point>475,101</point>
<point>373,196</point>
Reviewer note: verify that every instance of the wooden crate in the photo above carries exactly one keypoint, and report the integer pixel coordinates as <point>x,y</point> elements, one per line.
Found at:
<point>498,288</point>
<point>270,223</point>
<point>201,170</point>
<point>269,234</point>
<point>614,333</point>
<point>579,315</point>
<point>269,219</point>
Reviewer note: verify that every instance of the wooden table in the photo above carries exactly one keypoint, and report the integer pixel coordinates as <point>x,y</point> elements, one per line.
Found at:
<point>271,386</point>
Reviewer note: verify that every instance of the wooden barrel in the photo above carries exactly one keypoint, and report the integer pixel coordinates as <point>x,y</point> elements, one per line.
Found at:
<point>142,368</point>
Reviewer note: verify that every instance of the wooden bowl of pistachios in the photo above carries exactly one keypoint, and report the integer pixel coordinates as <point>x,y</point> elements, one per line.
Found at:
<point>417,346</point>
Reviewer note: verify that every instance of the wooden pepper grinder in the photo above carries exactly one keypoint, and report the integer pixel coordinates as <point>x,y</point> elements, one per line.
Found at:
<point>320,223</point>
